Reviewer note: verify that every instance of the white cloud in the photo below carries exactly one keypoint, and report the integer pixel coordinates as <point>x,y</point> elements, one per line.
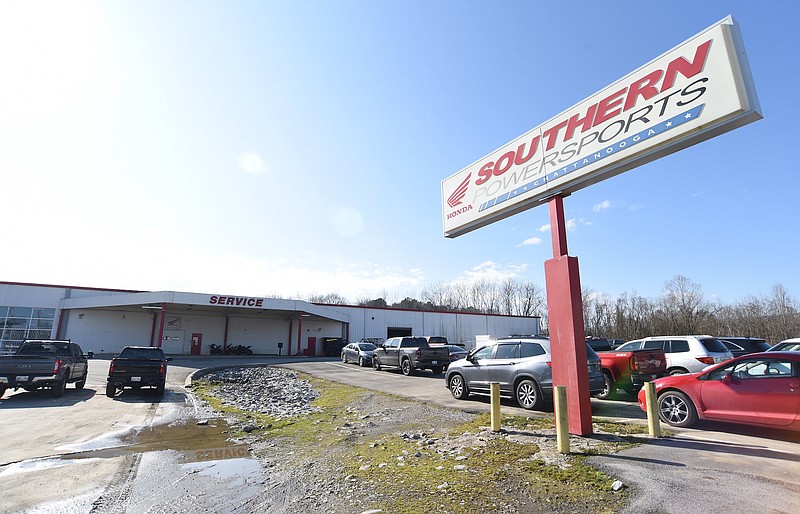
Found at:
<point>531,241</point>
<point>491,271</point>
<point>252,163</point>
<point>636,207</point>
<point>347,221</point>
<point>571,224</point>
<point>605,204</point>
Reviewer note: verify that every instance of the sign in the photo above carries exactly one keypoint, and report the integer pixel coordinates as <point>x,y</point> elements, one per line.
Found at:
<point>697,90</point>
<point>236,301</point>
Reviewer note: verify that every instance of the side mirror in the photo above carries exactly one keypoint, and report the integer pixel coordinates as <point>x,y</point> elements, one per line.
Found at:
<point>726,378</point>
<point>169,359</point>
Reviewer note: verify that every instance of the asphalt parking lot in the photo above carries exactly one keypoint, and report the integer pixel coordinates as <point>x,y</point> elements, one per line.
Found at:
<point>719,465</point>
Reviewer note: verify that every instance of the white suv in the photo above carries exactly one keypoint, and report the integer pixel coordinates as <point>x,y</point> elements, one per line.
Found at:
<point>685,354</point>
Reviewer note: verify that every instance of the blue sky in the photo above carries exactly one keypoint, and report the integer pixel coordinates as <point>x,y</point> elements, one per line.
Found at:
<point>297,148</point>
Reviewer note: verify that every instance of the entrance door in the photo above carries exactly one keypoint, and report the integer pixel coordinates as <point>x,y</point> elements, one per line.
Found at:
<point>197,344</point>
<point>312,347</point>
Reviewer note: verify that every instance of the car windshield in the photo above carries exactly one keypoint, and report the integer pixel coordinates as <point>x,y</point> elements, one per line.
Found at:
<point>714,345</point>
<point>366,347</point>
<point>591,354</point>
<point>786,347</point>
<point>141,353</point>
<point>45,349</point>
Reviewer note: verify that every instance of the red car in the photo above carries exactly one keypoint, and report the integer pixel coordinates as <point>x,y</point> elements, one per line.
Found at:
<point>755,389</point>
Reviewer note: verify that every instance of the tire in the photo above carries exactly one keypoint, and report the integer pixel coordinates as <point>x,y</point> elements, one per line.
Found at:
<point>676,409</point>
<point>376,364</point>
<point>458,387</point>
<point>406,368</point>
<point>361,362</point>
<point>528,395</point>
<point>344,358</point>
<point>608,388</point>
<point>437,370</point>
<point>82,382</point>
<point>677,371</point>
<point>111,390</point>
<point>57,391</point>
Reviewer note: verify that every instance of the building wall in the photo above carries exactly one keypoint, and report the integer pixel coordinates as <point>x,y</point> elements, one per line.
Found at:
<point>107,329</point>
<point>457,327</point>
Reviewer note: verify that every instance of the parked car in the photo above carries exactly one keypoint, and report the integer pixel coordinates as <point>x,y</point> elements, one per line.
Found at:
<point>755,389</point>
<point>44,363</point>
<point>629,370</point>
<point>743,345</point>
<point>358,352</point>
<point>685,354</point>
<point>788,345</point>
<point>456,352</point>
<point>599,344</point>
<point>136,367</point>
<point>521,365</point>
<point>432,340</point>
<point>409,354</point>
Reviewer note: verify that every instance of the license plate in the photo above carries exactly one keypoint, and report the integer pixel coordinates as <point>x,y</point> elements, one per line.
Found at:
<point>22,378</point>
<point>136,379</point>
<point>434,362</point>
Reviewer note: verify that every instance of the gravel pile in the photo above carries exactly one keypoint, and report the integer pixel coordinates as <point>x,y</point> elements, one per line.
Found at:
<point>273,391</point>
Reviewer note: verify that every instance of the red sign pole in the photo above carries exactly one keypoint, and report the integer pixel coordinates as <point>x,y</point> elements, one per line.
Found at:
<point>565,320</point>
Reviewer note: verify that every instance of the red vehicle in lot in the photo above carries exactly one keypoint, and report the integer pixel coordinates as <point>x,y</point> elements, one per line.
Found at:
<point>756,389</point>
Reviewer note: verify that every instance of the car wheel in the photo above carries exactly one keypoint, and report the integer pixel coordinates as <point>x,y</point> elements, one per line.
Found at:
<point>608,388</point>
<point>376,364</point>
<point>406,367</point>
<point>59,387</point>
<point>344,358</point>
<point>82,382</point>
<point>437,370</point>
<point>676,409</point>
<point>361,362</point>
<point>528,395</point>
<point>458,388</point>
<point>111,390</point>
<point>677,371</point>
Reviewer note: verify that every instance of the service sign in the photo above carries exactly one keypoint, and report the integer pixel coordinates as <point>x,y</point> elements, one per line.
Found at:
<point>699,89</point>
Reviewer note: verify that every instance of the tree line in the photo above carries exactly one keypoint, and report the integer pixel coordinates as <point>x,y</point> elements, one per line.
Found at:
<point>681,309</point>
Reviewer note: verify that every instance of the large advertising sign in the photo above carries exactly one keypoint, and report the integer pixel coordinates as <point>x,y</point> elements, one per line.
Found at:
<point>697,90</point>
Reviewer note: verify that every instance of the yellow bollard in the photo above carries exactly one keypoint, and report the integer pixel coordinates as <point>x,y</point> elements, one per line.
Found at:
<point>562,421</point>
<point>653,422</point>
<point>495,390</point>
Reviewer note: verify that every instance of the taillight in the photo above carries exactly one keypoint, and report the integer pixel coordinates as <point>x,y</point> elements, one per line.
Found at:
<point>634,364</point>
<point>163,368</point>
<point>57,365</point>
<point>706,360</point>
<point>111,368</point>
<point>549,364</point>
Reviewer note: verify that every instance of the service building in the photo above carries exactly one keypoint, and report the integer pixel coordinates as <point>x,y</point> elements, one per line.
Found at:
<point>106,320</point>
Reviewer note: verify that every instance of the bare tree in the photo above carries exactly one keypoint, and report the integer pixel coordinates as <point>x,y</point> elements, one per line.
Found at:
<point>682,305</point>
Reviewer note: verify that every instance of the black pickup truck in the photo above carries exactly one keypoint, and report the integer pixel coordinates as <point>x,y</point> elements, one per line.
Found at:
<point>409,354</point>
<point>136,367</point>
<point>44,363</point>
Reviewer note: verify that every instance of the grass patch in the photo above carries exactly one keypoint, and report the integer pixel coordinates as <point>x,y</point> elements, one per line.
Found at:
<point>461,469</point>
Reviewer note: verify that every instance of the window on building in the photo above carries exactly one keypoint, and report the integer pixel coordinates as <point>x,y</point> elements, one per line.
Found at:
<point>20,323</point>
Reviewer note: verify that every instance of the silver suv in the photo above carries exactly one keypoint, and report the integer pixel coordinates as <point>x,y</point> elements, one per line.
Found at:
<point>522,368</point>
<point>685,354</point>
